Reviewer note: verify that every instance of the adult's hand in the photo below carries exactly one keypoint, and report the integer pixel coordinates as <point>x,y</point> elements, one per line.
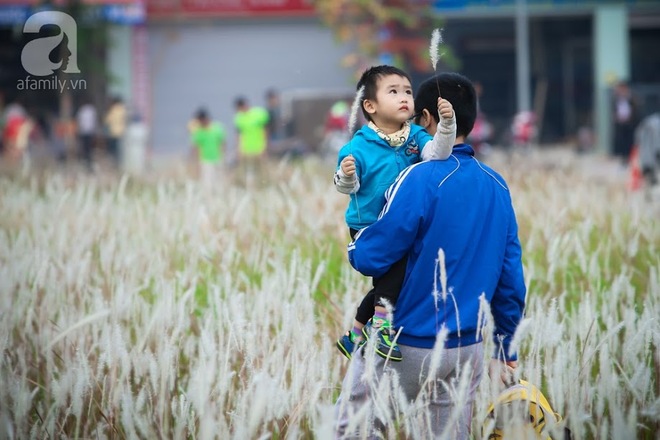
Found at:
<point>502,372</point>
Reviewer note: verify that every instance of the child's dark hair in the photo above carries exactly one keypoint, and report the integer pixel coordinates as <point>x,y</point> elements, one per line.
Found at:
<point>456,89</point>
<point>369,80</point>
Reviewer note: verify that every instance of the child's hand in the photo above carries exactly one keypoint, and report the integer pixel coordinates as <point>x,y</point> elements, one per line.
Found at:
<point>445,109</point>
<point>348,166</point>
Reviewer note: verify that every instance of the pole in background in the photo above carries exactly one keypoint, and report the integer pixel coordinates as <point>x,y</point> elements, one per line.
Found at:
<point>522,57</point>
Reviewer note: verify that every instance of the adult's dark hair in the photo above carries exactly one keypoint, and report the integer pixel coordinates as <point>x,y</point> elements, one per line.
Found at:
<point>240,102</point>
<point>369,80</point>
<point>456,89</point>
<point>202,114</point>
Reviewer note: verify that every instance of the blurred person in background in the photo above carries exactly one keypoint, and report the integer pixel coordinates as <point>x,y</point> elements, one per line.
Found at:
<point>647,139</point>
<point>2,122</point>
<point>275,126</point>
<point>585,138</point>
<point>483,130</point>
<point>65,131</point>
<point>115,125</point>
<point>64,134</point>
<point>14,120</point>
<point>135,145</point>
<point>21,147</point>
<point>86,123</point>
<point>335,130</point>
<point>523,130</point>
<point>209,139</point>
<point>193,124</point>
<point>193,158</point>
<point>337,117</point>
<point>625,117</point>
<point>251,125</point>
<point>280,141</point>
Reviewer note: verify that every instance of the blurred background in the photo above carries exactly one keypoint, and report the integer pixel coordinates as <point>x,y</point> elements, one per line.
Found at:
<point>548,71</point>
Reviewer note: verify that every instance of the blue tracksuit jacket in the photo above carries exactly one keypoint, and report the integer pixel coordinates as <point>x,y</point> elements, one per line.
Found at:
<point>464,208</point>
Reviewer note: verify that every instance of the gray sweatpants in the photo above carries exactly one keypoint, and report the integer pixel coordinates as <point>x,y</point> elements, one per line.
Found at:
<point>430,404</point>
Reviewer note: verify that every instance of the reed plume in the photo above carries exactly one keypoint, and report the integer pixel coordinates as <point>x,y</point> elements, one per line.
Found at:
<point>434,52</point>
<point>355,107</point>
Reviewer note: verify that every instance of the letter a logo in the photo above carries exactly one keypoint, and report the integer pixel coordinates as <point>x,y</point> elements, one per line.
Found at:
<point>35,55</point>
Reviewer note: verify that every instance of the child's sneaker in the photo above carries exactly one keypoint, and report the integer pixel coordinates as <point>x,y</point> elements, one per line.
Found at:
<point>385,345</point>
<point>349,343</point>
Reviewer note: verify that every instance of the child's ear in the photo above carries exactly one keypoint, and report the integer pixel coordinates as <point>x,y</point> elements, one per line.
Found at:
<point>369,106</point>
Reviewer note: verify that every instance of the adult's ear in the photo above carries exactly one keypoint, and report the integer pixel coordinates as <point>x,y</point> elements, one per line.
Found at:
<point>425,119</point>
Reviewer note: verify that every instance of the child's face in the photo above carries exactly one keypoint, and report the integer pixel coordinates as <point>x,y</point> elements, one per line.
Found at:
<point>394,101</point>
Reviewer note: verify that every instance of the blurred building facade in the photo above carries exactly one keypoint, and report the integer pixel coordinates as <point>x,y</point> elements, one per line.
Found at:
<point>577,50</point>
<point>167,58</point>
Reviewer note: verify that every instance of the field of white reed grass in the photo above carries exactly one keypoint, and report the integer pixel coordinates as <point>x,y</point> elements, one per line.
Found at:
<point>150,308</point>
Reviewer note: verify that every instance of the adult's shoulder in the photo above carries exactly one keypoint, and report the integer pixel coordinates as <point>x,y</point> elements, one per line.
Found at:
<point>493,174</point>
<point>419,172</point>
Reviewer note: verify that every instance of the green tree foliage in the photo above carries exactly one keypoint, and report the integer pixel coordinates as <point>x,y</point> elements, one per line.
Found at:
<point>398,28</point>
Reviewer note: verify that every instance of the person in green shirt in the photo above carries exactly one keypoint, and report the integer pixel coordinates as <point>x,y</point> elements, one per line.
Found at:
<point>209,139</point>
<point>252,129</point>
<point>251,124</point>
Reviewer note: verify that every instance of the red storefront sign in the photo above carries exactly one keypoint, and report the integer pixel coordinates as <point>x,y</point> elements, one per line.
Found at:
<point>229,8</point>
<point>60,3</point>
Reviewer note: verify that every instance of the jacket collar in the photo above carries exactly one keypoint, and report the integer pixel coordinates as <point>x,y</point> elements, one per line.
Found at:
<point>463,149</point>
